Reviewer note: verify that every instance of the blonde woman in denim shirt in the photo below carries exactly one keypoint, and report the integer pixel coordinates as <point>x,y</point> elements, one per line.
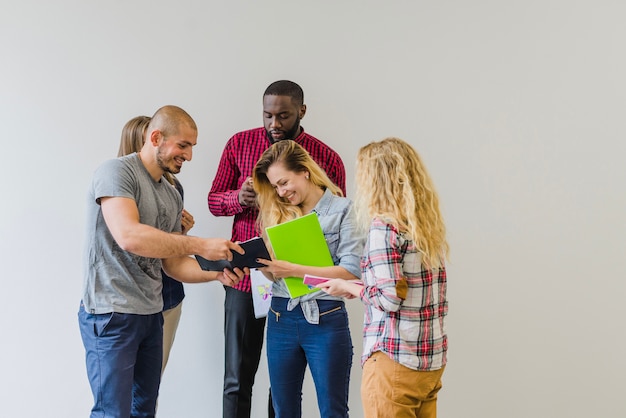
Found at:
<point>312,329</point>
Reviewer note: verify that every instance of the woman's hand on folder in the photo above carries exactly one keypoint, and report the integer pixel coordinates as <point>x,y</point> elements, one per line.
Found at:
<point>278,269</point>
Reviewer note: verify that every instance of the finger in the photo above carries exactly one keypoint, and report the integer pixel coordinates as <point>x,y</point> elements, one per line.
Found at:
<point>236,247</point>
<point>233,277</point>
<point>264,261</point>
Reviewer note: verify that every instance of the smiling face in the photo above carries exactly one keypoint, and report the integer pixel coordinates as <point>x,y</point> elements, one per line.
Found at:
<point>174,150</point>
<point>293,187</point>
<point>281,117</point>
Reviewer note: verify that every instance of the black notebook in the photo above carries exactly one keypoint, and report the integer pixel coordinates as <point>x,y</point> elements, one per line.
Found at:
<point>254,248</point>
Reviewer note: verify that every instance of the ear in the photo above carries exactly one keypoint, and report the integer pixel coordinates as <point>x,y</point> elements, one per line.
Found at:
<point>302,111</point>
<point>155,137</point>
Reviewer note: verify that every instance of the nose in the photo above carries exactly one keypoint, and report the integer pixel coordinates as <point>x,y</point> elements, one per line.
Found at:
<point>280,190</point>
<point>275,123</point>
<point>188,154</point>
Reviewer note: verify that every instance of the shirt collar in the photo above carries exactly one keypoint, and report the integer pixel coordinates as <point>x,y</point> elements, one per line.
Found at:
<point>301,135</point>
<point>323,206</point>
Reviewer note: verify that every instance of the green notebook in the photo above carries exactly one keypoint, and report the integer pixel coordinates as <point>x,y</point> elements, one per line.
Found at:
<point>300,241</point>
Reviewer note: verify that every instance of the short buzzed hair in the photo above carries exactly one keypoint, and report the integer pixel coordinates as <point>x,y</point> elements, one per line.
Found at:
<point>169,119</point>
<point>286,88</point>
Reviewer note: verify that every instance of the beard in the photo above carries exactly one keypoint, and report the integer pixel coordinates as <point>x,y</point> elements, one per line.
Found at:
<point>288,134</point>
<point>167,168</point>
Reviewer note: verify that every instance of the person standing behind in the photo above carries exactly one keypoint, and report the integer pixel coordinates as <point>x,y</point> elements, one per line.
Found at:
<point>232,194</point>
<point>312,329</point>
<point>404,282</point>
<point>132,140</point>
<point>133,230</point>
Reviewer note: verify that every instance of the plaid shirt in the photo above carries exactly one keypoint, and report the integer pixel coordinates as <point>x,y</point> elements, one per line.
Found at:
<point>239,157</point>
<point>405,304</point>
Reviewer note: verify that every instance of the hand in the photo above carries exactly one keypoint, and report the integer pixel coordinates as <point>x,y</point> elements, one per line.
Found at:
<point>231,278</point>
<point>278,268</point>
<point>338,287</point>
<point>187,222</point>
<point>247,195</point>
<point>220,249</point>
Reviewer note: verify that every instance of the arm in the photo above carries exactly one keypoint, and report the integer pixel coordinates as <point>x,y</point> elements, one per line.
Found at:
<point>281,268</point>
<point>347,253</point>
<point>186,269</point>
<point>122,219</point>
<point>342,288</point>
<point>223,198</point>
<point>385,287</point>
<point>337,172</point>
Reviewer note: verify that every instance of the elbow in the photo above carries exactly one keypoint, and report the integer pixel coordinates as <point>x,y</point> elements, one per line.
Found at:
<point>128,244</point>
<point>390,307</point>
<point>390,303</point>
<point>215,206</point>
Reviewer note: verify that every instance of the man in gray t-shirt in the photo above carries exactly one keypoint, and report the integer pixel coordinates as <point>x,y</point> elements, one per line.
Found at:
<point>133,230</point>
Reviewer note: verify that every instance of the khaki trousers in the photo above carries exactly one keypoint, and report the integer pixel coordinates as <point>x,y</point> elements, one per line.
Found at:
<point>391,390</point>
<point>171,318</point>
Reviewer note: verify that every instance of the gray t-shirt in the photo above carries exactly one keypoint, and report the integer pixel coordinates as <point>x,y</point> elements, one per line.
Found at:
<point>117,280</point>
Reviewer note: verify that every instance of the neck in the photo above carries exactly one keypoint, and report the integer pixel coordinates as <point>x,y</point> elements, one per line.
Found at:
<point>314,197</point>
<point>153,168</point>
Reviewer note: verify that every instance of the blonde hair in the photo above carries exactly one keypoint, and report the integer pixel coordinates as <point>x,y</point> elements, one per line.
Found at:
<point>274,209</point>
<point>133,138</point>
<point>394,185</point>
<point>133,135</point>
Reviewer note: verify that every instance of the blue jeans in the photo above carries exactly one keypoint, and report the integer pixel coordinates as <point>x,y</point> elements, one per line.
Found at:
<point>123,355</point>
<point>292,343</point>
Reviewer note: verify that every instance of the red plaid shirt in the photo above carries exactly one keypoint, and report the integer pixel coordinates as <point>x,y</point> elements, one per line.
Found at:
<point>405,304</point>
<point>239,157</point>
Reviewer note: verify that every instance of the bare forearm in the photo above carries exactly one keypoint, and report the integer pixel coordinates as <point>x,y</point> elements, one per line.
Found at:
<point>123,220</point>
<point>147,241</point>
<point>187,270</point>
<point>334,272</point>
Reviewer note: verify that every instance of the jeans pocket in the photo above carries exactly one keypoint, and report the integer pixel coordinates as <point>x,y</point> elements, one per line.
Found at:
<point>101,321</point>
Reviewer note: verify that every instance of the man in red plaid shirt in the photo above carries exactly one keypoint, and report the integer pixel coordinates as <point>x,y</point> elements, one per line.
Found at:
<point>232,195</point>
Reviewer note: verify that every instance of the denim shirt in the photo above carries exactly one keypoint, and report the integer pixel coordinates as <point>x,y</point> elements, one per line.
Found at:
<point>336,216</point>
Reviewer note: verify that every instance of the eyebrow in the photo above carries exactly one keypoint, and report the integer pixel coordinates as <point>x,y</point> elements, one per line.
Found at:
<point>282,179</point>
<point>184,141</point>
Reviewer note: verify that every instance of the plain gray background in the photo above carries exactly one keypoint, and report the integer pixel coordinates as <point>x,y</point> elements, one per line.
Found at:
<point>517,108</point>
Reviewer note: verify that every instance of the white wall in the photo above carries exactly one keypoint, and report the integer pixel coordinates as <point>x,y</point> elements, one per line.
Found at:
<point>516,106</point>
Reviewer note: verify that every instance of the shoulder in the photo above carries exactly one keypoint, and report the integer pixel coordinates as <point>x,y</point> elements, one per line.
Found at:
<point>244,140</point>
<point>248,135</point>
<point>381,229</point>
<point>332,204</point>
<point>314,145</point>
<point>379,223</point>
<point>120,165</point>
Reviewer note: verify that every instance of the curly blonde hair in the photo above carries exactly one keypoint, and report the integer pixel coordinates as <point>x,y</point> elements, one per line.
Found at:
<point>394,185</point>
<point>274,209</point>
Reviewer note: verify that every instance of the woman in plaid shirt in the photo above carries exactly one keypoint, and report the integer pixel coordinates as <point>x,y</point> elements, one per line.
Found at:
<point>404,282</point>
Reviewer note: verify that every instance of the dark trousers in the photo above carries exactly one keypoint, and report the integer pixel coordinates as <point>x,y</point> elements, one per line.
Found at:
<point>243,337</point>
<point>124,353</point>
